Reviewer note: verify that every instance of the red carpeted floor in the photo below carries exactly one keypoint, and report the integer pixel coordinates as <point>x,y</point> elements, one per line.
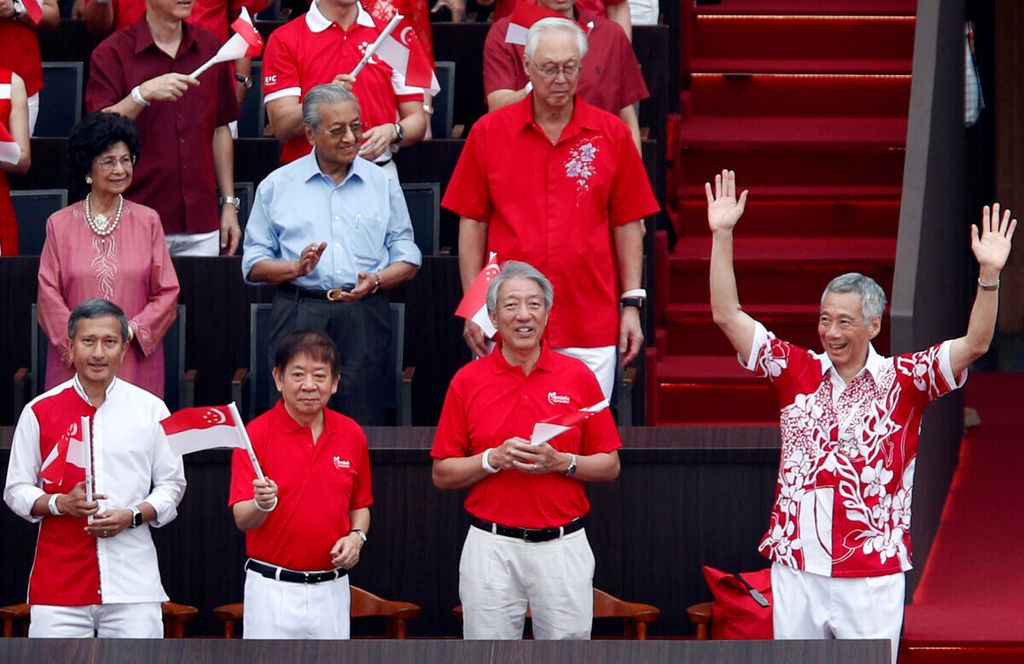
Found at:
<point>971,592</point>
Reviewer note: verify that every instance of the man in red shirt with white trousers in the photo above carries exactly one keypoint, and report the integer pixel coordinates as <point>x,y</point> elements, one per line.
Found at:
<point>839,533</point>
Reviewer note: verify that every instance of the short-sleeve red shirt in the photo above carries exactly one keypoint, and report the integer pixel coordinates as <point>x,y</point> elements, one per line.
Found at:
<point>318,483</point>
<point>503,8</point>
<point>610,78</point>
<point>490,401</point>
<point>556,207</point>
<point>175,174</point>
<point>210,15</point>
<point>313,50</point>
<point>19,52</point>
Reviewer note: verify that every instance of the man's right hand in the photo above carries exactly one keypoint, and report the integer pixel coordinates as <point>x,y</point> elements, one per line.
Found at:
<point>475,339</point>
<point>169,87</point>
<point>344,80</point>
<point>264,493</point>
<point>75,503</point>
<point>724,210</point>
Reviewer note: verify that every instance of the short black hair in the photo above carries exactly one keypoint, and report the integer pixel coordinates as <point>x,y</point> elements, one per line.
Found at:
<point>97,309</point>
<point>313,343</point>
<point>95,134</point>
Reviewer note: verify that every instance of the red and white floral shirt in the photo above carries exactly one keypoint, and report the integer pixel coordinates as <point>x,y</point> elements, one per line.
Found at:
<point>846,475</point>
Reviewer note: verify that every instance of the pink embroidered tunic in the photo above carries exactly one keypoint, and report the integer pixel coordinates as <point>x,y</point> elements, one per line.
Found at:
<point>130,267</point>
<point>846,476</point>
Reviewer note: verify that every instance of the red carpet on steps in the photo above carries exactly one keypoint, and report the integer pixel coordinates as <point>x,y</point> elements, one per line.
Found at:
<point>972,587</point>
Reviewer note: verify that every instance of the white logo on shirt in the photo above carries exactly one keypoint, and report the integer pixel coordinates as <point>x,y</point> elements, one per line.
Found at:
<point>554,397</point>
<point>270,79</point>
<point>340,463</point>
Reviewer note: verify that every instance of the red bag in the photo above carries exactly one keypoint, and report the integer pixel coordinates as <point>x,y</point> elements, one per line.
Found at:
<point>742,607</point>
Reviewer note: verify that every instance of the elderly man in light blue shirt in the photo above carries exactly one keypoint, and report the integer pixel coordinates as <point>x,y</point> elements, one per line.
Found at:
<point>333,232</point>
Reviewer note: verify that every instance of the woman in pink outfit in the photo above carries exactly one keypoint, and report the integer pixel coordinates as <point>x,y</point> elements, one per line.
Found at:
<point>108,247</point>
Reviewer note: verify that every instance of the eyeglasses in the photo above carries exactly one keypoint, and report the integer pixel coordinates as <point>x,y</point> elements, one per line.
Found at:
<point>551,70</point>
<point>339,132</point>
<point>110,163</point>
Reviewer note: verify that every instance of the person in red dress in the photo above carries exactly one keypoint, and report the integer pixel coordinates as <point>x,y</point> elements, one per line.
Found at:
<point>13,118</point>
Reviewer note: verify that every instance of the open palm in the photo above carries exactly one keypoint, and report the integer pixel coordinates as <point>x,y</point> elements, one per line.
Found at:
<point>992,246</point>
<point>724,209</point>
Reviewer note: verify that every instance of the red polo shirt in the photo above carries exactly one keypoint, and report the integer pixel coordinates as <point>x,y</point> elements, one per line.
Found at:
<point>503,8</point>
<point>310,51</point>
<point>490,401</point>
<point>210,15</point>
<point>19,52</point>
<point>555,207</point>
<point>610,78</point>
<point>318,483</point>
<point>175,173</point>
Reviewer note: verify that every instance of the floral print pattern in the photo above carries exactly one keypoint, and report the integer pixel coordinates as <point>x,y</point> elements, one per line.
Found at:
<point>581,166</point>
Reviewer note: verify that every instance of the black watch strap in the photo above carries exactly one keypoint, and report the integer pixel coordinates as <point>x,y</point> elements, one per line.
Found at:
<point>637,302</point>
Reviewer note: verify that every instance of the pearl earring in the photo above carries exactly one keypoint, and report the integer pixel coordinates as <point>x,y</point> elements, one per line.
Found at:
<point>88,179</point>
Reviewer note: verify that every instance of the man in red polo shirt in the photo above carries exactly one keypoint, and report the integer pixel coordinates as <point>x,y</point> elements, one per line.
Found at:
<point>610,78</point>
<point>142,72</point>
<point>304,529</point>
<point>19,48</point>
<point>553,181</point>
<point>527,546</point>
<point>325,46</point>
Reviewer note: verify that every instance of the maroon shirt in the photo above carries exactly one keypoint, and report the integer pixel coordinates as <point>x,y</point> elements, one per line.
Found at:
<point>175,173</point>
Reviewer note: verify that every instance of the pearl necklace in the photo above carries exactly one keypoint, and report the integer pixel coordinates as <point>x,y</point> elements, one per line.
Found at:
<point>100,224</point>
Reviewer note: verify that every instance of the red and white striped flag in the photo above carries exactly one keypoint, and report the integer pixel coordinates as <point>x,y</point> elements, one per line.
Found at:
<point>545,430</point>
<point>10,151</point>
<point>34,9</point>
<point>406,55</point>
<point>244,42</point>
<point>208,428</point>
<point>474,303</point>
<point>243,26</point>
<point>67,461</point>
<point>523,17</point>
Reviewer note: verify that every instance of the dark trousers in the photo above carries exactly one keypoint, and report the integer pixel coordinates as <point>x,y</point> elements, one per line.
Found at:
<point>362,332</point>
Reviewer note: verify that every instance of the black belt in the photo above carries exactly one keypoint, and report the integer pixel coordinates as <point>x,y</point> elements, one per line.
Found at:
<point>332,295</point>
<point>291,576</point>
<point>528,534</point>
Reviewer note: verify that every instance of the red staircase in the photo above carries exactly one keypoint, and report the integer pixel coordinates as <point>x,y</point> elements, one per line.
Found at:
<point>807,102</point>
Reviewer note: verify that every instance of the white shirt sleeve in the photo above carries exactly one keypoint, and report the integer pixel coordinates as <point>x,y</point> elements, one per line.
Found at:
<point>168,476</point>
<point>22,488</point>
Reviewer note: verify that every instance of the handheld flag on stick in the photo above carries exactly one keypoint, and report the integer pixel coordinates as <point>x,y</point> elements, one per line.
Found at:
<point>34,9</point>
<point>405,54</point>
<point>246,42</point>
<point>10,151</point>
<point>207,428</point>
<point>523,17</point>
<point>474,303</point>
<point>545,430</point>
<point>372,48</point>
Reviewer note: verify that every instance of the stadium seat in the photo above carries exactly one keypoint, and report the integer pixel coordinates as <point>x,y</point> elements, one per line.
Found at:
<point>60,100</point>
<point>424,202</point>
<point>244,192</point>
<point>32,207</point>
<point>441,123</point>
<point>253,118</point>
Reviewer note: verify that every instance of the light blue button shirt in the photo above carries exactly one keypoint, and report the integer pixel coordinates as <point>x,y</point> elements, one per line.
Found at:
<point>363,220</point>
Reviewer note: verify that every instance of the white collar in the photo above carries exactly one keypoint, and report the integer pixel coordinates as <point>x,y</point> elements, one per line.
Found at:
<point>81,390</point>
<point>317,22</point>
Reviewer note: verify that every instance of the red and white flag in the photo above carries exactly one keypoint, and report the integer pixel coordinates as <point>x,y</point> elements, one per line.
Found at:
<point>68,459</point>
<point>243,43</point>
<point>34,9</point>
<point>203,428</point>
<point>405,54</point>
<point>523,17</point>
<point>474,303</point>
<point>10,151</point>
<point>545,430</point>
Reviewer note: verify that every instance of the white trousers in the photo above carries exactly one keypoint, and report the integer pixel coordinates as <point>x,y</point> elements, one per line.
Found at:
<point>811,606</point>
<point>601,361</point>
<point>107,621</point>
<point>500,576</point>
<point>194,244</point>
<point>284,610</point>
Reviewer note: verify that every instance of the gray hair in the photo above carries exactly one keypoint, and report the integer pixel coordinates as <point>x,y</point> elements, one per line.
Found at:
<point>872,297</point>
<point>554,23</point>
<point>328,93</point>
<point>97,309</point>
<point>520,270</point>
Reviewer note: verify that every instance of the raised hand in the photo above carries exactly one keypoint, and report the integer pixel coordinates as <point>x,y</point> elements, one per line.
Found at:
<point>992,245</point>
<point>724,209</point>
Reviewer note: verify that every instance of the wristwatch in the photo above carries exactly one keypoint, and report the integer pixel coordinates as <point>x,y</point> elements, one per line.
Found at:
<point>136,518</point>
<point>400,133</point>
<point>244,80</point>
<point>637,302</point>
<point>571,470</point>
<point>234,200</point>
<point>359,532</point>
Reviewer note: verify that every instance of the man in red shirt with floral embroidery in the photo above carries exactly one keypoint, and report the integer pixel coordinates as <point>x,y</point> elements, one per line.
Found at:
<point>555,182</point>
<point>839,535</point>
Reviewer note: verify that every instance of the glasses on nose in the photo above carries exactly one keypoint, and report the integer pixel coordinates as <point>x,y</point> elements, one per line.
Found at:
<point>339,133</point>
<point>110,163</point>
<point>551,70</point>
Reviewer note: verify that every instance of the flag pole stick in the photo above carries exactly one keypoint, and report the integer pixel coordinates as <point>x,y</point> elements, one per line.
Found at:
<point>245,438</point>
<point>388,29</point>
<point>87,453</point>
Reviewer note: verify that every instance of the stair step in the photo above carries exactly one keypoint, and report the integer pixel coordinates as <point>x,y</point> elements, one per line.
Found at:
<point>799,96</point>
<point>771,132</point>
<point>812,44</point>
<point>816,7</point>
<point>812,171</point>
<point>799,218</point>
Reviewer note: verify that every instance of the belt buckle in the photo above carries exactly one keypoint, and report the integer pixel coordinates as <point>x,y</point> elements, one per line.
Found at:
<point>335,295</point>
<point>530,535</point>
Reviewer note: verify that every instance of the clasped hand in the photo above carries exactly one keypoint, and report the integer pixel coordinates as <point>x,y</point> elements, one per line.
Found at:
<point>518,454</point>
